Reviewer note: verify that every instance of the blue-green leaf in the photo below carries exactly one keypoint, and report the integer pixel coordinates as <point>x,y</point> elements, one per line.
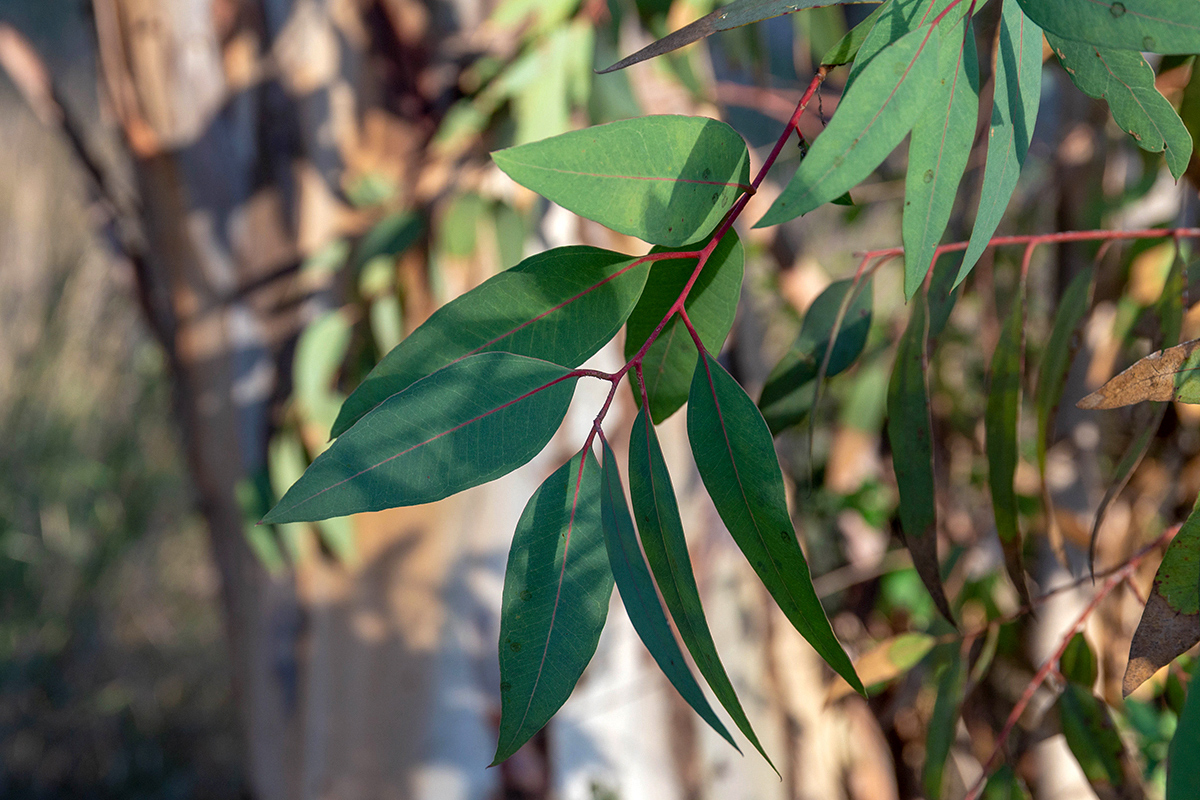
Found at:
<point>1155,26</point>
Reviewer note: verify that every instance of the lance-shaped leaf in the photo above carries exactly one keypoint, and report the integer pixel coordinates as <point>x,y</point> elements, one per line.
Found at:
<point>469,423</point>
<point>1183,757</point>
<point>736,458</point>
<point>1155,26</point>
<point>1005,785</point>
<point>1056,357</point>
<point>1014,113</point>
<point>640,598</point>
<point>846,48</point>
<point>661,529</point>
<point>1170,374</point>
<point>791,390</point>
<point>1078,662</point>
<point>1000,425</point>
<point>734,15</point>
<point>556,592</point>
<point>1094,741</point>
<point>560,306</point>
<point>711,305</point>
<point>886,661</point>
<point>665,179</point>
<point>1171,621</point>
<point>910,433</point>
<point>897,18</point>
<point>1125,81</point>
<point>943,725</point>
<point>876,112</point>
<point>937,153</point>
<point>943,293</point>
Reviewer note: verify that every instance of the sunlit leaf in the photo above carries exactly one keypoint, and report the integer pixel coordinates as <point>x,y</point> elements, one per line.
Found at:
<point>665,179</point>
<point>1156,26</point>
<point>887,661</point>
<point>1125,81</point>
<point>711,305</point>
<point>560,306</point>
<point>910,433</point>
<point>1018,93</point>
<point>1170,374</point>
<point>736,458</point>
<point>846,48</point>
<point>734,15</point>
<point>791,388</point>
<point>556,591</point>
<point>1001,426</point>
<point>943,726</point>
<point>469,423</point>
<point>898,18</point>
<point>640,598</point>
<point>874,115</point>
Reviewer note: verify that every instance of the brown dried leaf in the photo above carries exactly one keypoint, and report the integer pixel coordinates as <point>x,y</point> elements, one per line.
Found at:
<point>1171,374</point>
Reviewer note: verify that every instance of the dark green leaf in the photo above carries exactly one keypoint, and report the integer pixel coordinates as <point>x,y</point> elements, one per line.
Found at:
<point>640,598</point>
<point>560,306</point>
<point>876,112</point>
<point>1056,357</point>
<point>711,305</point>
<point>1183,758</point>
<point>910,432</point>
<point>846,49</point>
<point>1093,739</point>
<point>943,726</point>
<point>665,179</point>
<point>736,458</point>
<point>391,236</point>
<point>1125,81</point>
<point>1001,425</point>
<point>1156,26</point>
<point>937,152</point>
<point>1014,113</point>
<point>1078,662</point>
<point>661,529</point>
<point>943,293</point>
<point>791,388</point>
<point>469,423</point>
<point>734,15</point>
<point>1005,785</point>
<point>556,592</point>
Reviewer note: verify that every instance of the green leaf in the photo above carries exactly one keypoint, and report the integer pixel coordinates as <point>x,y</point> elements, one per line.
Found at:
<point>1183,757</point>
<point>876,112</point>
<point>711,305</point>
<point>897,18</point>
<point>790,390</point>
<point>556,592</point>
<point>665,179</point>
<point>469,423</point>
<point>390,237</point>
<point>560,306</point>
<point>910,432</point>
<point>661,528</point>
<point>320,351</point>
<point>846,49</point>
<point>1078,663</point>
<point>1000,426</point>
<point>734,15</point>
<point>937,153</point>
<point>1155,26</point>
<point>1170,623</point>
<point>1124,80</point>
<point>1005,785</point>
<point>1093,739</point>
<point>736,458</point>
<point>640,598</point>
<point>888,660</point>
<point>1014,113</point>
<point>943,725</point>
<point>1056,358</point>
<point>943,293</point>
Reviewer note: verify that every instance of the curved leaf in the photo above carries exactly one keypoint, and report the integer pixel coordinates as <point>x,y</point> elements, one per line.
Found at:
<point>876,112</point>
<point>897,18</point>
<point>1124,80</point>
<point>943,725</point>
<point>1018,92</point>
<point>1056,358</point>
<point>640,598</point>
<point>561,306</point>
<point>1095,742</point>
<point>469,423</point>
<point>556,592</point>
<point>1170,374</point>
<point>846,49</point>
<point>1155,26</point>
<point>886,661</point>
<point>736,458</point>
<point>661,529</point>
<point>711,305</point>
<point>790,390</point>
<point>665,179</point>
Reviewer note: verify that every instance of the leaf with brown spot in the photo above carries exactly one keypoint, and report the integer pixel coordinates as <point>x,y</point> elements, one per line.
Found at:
<point>1170,374</point>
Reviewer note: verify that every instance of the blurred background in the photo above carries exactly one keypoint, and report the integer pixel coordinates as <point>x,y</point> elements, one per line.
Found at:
<point>215,217</point>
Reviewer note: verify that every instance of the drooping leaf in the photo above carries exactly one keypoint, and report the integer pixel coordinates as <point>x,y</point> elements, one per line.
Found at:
<point>896,19</point>
<point>1170,623</point>
<point>790,389</point>
<point>1125,81</point>
<point>886,661</point>
<point>734,15</point>
<point>1094,741</point>
<point>556,592</point>
<point>1001,425</point>
<point>637,591</point>
<point>736,458</point>
<point>1183,757</point>
<point>1078,662</point>
<point>661,529</point>
<point>943,293</point>
<point>1056,358</point>
<point>711,305</point>
<point>561,306</point>
<point>943,726</point>
<point>1170,374</point>
<point>469,423</point>
<point>846,49</point>
<point>665,179</point>
<point>910,433</point>
<point>874,115</point>
<point>1156,26</point>
<point>937,153</point>
<point>1018,82</point>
